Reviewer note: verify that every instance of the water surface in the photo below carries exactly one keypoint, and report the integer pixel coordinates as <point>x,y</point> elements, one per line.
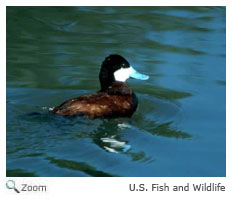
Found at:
<point>55,53</point>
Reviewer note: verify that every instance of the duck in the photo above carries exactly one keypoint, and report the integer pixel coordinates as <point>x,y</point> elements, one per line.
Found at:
<point>114,99</point>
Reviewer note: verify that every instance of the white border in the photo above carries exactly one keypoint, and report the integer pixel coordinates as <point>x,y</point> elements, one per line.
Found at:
<point>111,187</point>
<point>115,3</point>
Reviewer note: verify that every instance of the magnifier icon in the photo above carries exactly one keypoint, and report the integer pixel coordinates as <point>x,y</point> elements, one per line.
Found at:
<point>10,184</point>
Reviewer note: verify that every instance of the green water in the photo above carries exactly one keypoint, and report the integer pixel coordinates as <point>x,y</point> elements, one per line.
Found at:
<point>55,53</point>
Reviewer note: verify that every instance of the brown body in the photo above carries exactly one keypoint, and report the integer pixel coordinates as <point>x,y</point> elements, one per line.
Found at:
<point>117,101</point>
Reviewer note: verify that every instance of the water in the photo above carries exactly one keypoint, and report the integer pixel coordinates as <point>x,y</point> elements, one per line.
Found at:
<point>55,53</point>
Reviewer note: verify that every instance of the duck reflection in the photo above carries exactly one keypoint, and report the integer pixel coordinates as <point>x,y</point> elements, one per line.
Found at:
<point>109,136</point>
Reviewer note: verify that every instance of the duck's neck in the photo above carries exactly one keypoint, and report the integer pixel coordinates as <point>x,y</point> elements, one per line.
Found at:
<point>118,88</point>
<point>105,79</point>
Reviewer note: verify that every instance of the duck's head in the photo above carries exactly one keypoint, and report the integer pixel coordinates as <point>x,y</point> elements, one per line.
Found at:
<point>117,68</point>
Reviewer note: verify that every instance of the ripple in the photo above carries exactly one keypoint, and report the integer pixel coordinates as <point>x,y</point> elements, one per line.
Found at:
<point>172,48</point>
<point>162,93</point>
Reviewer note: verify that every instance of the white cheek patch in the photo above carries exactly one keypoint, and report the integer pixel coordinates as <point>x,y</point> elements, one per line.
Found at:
<point>122,74</point>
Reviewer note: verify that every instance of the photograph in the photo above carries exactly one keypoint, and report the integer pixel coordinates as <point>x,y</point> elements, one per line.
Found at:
<point>115,91</point>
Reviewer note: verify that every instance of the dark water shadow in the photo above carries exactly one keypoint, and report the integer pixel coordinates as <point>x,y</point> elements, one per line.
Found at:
<point>167,130</point>
<point>19,173</point>
<point>156,128</point>
<point>79,166</point>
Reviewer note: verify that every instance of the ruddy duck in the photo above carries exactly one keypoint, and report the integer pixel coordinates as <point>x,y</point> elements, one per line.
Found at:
<point>115,99</point>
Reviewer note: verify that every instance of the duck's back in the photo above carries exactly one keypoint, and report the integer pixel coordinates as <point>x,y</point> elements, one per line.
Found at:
<point>117,101</point>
